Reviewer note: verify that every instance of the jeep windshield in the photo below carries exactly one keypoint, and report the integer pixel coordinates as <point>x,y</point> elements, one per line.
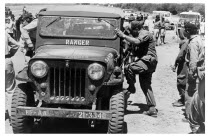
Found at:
<point>189,17</point>
<point>77,27</point>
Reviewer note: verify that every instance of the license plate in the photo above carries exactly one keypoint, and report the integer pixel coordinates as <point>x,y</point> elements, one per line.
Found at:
<point>65,113</point>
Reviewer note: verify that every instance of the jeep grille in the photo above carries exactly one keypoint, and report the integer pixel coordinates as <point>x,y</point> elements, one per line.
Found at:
<point>67,84</point>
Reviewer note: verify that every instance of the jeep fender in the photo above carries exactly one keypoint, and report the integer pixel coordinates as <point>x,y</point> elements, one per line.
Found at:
<point>23,75</point>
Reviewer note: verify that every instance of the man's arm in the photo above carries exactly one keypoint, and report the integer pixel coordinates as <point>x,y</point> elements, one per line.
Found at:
<point>16,44</point>
<point>25,30</point>
<point>132,40</point>
<point>193,49</point>
<point>181,55</point>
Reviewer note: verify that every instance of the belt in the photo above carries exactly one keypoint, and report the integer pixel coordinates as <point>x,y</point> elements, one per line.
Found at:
<point>8,56</point>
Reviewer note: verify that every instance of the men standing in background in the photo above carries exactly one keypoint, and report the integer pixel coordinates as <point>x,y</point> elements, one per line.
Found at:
<point>149,25</point>
<point>162,31</point>
<point>180,64</point>
<point>194,51</point>
<point>197,106</point>
<point>157,26</point>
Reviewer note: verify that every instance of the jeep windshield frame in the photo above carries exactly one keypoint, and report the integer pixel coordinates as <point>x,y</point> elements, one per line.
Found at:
<point>78,27</point>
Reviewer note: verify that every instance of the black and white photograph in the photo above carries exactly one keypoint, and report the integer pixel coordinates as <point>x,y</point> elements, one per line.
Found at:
<point>112,67</point>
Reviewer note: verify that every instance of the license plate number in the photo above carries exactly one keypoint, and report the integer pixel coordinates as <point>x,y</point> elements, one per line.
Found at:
<point>65,114</point>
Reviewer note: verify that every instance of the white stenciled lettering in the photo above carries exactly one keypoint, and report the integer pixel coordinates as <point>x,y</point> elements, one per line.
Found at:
<point>80,114</point>
<point>67,42</point>
<point>71,42</point>
<point>77,42</point>
<point>87,42</point>
<point>83,42</point>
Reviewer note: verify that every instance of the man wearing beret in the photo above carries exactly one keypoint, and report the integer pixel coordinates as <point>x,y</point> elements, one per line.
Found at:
<point>194,52</point>
<point>145,63</point>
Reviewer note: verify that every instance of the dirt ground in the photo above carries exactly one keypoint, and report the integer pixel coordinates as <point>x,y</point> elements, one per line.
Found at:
<point>165,91</point>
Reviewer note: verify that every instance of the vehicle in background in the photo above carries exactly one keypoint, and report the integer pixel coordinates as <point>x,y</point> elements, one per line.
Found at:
<point>167,16</point>
<point>193,17</point>
<point>129,12</point>
<point>190,16</point>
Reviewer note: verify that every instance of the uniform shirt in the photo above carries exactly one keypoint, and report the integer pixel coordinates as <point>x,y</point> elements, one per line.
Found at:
<point>194,53</point>
<point>157,25</point>
<point>182,33</point>
<point>9,26</point>
<point>163,25</point>
<point>149,24</point>
<point>181,64</point>
<point>29,31</point>
<point>147,45</point>
<point>8,39</point>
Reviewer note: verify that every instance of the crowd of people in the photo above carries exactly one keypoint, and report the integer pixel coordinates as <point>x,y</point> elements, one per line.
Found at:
<point>141,34</point>
<point>16,36</point>
<point>190,65</point>
<point>156,27</point>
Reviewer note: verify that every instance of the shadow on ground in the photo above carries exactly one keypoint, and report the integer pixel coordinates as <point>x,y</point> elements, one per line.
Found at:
<point>142,107</point>
<point>71,126</point>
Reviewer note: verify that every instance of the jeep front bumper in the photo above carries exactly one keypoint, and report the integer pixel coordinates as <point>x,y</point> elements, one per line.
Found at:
<point>64,113</point>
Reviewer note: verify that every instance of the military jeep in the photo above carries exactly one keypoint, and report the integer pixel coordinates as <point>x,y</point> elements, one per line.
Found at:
<point>75,72</point>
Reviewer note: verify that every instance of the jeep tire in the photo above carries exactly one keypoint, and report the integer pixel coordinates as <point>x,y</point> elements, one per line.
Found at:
<point>117,107</point>
<point>22,96</point>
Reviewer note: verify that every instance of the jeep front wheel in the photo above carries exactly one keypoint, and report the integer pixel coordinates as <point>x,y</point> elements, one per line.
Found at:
<point>22,96</point>
<point>117,109</point>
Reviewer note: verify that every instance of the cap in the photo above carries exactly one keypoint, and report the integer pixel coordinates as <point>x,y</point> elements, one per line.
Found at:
<point>189,25</point>
<point>157,16</point>
<point>139,17</point>
<point>137,24</point>
<point>131,18</point>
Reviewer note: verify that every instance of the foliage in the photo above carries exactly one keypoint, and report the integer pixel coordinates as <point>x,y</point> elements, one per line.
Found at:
<point>174,8</point>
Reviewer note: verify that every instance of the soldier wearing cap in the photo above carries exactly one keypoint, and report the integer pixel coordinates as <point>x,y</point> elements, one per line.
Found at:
<point>144,65</point>
<point>193,58</point>
<point>157,27</point>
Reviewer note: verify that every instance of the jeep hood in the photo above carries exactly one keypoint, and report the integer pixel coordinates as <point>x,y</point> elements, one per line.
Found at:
<point>91,53</point>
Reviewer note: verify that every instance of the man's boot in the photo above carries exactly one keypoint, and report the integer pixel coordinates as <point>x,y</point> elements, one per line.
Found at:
<point>179,103</point>
<point>131,88</point>
<point>151,112</point>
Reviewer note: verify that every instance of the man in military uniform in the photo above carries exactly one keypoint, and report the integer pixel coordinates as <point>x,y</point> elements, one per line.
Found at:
<point>194,51</point>
<point>197,106</point>
<point>181,66</point>
<point>10,50</point>
<point>28,32</point>
<point>144,65</point>
<point>157,27</point>
<point>162,31</point>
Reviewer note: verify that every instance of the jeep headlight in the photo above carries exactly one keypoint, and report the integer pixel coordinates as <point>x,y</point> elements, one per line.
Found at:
<point>39,69</point>
<point>95,71</point>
